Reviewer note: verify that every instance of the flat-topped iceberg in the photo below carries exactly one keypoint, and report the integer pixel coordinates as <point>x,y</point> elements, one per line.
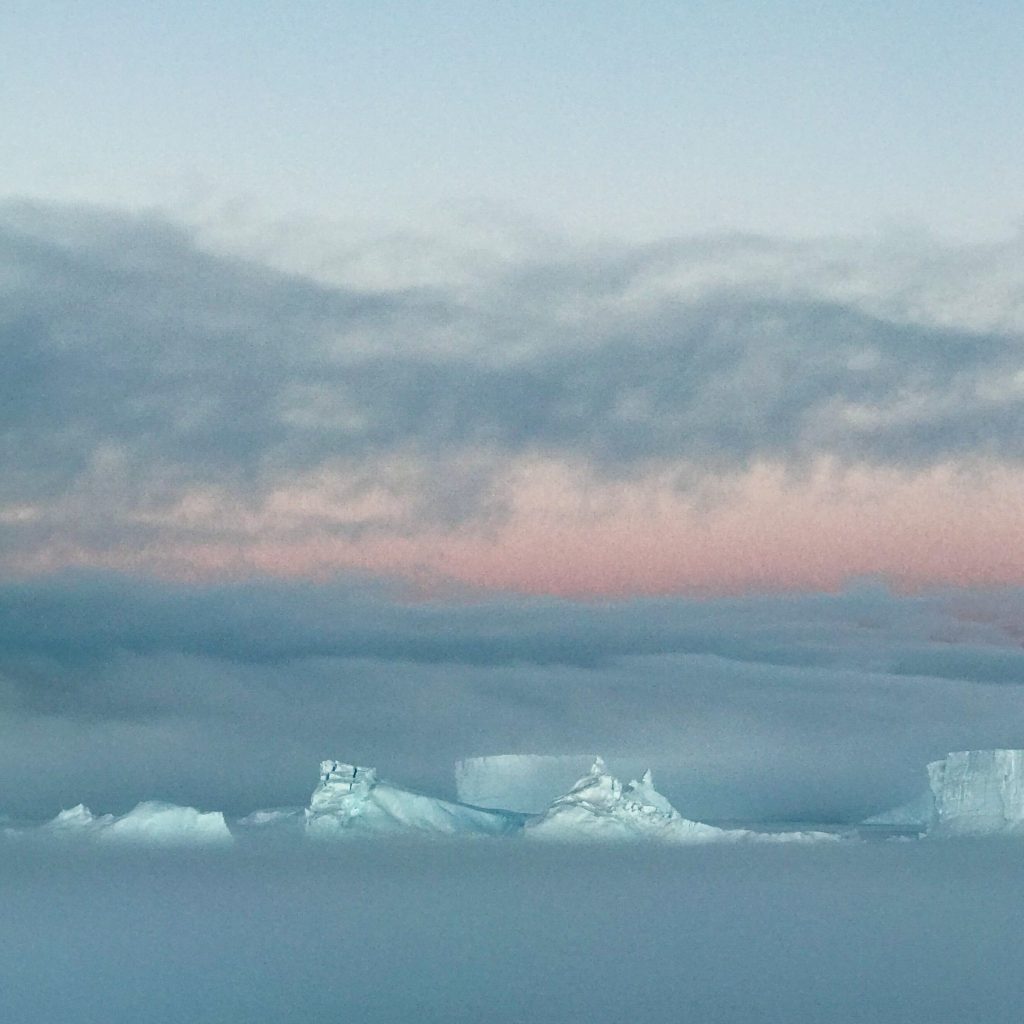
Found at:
<point>978,792</point>
<point>970,793</point>
<point>518,782</point>
<point>351,801</point>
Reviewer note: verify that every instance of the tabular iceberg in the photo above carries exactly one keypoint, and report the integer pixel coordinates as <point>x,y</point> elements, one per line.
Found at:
<point>971,793</point>
<point>518,782</point>
<point>352,801</point>
<point>978,792</point>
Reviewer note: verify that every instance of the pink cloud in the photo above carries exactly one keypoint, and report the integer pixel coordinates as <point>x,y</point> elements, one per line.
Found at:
<point>570,533</point>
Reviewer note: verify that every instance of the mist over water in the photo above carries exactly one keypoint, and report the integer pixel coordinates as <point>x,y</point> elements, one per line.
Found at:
<point>368,933</point>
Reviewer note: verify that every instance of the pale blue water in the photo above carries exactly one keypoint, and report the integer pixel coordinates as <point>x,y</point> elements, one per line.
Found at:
<point>872,933</point>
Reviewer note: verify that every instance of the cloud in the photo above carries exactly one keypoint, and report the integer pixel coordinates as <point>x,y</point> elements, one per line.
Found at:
<point>141,369</point>
<point>114,689</point>
<point>80,616</point>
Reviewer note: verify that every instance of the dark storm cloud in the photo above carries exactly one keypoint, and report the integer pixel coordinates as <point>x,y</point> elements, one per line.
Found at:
<point>125,344</point>
<point>114,690</point>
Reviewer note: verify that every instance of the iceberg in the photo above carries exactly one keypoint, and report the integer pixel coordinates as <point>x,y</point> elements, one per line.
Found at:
<point>527,783</point>
<point>150,822</point>
<point>599,807</point>
<point>78,821</point>
<point>971,793</point>
<point>978,792</point>
<point>351,801</point>
<point>163,824</point>
<point>272,818</point>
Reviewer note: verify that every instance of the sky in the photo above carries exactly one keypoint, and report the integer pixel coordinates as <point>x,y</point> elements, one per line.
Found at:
<point>485,335</point>
<point>638,120</point>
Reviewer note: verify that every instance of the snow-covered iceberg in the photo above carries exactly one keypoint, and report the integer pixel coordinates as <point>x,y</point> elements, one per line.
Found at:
<point>168,825</point>
<point>149,823</point>
<point>978,792</point>
<point>351,801</point>
<point>78,821</point>
<point>518,782</point>
<point>600,808</point>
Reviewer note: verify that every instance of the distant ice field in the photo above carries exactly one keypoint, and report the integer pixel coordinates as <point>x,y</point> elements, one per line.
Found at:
<point>480,931</point>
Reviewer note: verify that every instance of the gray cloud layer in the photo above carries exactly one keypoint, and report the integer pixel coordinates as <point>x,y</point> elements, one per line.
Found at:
<point>132,354</point>
<point>112,690</point>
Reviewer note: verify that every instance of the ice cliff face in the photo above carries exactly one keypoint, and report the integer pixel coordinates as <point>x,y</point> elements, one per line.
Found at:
<point>978,792</point>
<point>352,801</point>
<point>599,807</point>
<point>518,782</point>
<point>971,793</point>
